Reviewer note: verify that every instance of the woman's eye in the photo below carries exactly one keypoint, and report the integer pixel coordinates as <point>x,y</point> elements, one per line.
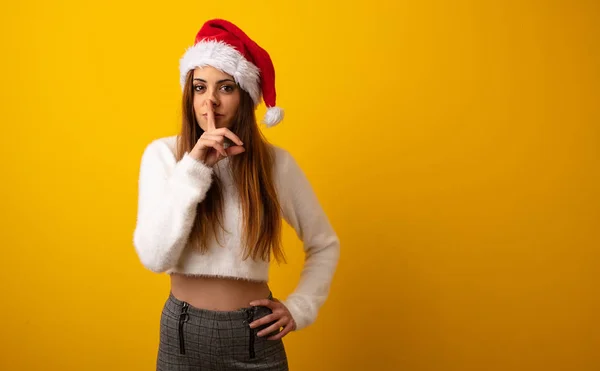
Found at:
<point>227,88</point>
<point>198,88</point>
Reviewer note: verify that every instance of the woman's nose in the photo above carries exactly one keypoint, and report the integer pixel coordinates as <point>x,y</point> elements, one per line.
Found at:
<point>212,102</point>
<point>212,97</point>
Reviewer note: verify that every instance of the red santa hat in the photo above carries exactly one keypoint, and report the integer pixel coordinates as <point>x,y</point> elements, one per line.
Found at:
<point>224,46</point>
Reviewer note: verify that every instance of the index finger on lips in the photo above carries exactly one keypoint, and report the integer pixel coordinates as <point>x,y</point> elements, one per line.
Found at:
<point>210,116</point>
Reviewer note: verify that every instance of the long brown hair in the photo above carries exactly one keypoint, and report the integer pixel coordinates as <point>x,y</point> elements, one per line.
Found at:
<point>253,177</point>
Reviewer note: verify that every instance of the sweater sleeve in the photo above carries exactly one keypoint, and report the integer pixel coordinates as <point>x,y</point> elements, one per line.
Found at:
<point>169,193</point>
<point>303,212</point>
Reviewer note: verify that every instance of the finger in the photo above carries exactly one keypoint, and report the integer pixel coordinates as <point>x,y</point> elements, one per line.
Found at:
<point>217,138</point>
<point>213,144</point>
<point>274,327</point>
<point>236,150</point>
<point>209,143</point>
<point>230,151</point>
<point>286,330</point>
<point>263,302</point>
<point>210,116</point>
<point>229,134</point>
<point>264,320</point>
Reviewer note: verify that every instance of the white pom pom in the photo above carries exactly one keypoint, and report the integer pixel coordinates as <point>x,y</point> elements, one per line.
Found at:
<point>273,116</point>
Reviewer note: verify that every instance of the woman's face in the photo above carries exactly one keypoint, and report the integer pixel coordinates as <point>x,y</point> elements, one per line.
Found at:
<point>219,88</point>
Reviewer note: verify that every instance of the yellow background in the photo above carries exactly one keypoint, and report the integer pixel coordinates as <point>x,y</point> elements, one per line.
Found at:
<point>454,145</point>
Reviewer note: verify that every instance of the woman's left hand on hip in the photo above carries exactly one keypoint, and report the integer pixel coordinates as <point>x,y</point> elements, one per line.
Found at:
<point>281,317</point>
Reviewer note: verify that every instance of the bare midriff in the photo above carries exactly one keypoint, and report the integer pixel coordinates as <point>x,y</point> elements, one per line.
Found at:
<point>217,293</point>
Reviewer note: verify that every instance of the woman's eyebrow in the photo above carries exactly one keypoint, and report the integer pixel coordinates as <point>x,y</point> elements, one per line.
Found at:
<point>218,82</point>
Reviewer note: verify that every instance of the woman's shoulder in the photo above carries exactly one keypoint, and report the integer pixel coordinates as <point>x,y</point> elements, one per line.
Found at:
<point>283,158</point>
<point>287,169</point>
<point>161,149</point>
<point>168,143</point>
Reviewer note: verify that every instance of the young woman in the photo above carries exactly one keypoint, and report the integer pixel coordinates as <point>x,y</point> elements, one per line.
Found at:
<point>210,210</point>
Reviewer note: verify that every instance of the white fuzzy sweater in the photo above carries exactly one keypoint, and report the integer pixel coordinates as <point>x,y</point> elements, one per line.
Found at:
<point>169,192</point>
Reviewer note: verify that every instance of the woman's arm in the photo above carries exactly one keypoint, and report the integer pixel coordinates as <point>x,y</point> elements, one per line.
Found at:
<point>304,213</point>
<point>169,193</point>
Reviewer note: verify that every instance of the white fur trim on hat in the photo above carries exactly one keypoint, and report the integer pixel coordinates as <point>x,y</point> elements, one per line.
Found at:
<point>222,56</point>
<point>273,116</point>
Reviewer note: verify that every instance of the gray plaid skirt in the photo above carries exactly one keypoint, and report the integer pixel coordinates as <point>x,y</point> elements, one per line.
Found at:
<point>199,339</point>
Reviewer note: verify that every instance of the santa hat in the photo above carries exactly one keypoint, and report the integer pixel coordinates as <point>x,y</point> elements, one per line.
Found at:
<point>224,46</point>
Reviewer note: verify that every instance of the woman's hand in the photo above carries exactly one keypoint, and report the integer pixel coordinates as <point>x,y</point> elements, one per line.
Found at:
<point>209,148</point>
<point>281,316</point>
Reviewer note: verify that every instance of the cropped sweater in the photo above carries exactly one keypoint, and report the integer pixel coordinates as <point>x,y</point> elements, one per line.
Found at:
<point>169,192</point>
